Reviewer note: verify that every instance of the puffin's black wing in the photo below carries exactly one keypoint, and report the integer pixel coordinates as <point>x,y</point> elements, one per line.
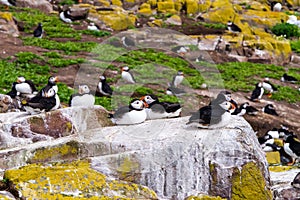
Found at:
<point>38,31</point>
<point>255,94</point>
<point>216,113</point>
<point>205,114</point>
<point>295,147</point>
<point>43,103</point>
<point>106,88</point>
<point>170,107</point>
<point>13,92</point>
<point>31,84</point>
<point>157,108</point>
<point>121,111</point>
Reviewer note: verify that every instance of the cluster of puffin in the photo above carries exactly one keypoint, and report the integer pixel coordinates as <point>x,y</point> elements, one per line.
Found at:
<point>283,141</point>
<point>31,100</point>
<point>147,107</point>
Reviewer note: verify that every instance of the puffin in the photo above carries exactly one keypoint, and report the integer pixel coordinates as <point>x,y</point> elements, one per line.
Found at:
<point>232,27</point>
<point>51,84</point>
<point>181,50</point>
<point>47,102</point>
<point>250,110</point>
<point>127,76</point>
<point>8,2</point>
<point>171,90</point>
<point>82,98</point>
<point>127,42</point>
<point>103,87</point>
<point>276,6</point>
<point>65,16</point>
<point>288,78</point>
<point>268,86</point>
<point>24,86</point>
<point>225,96</point>
<point>292,147</point>
<point>157,110</point>
<point>177,79</point>
<point>93,27</point>
<point>296,182</point>
<point>270,109</point>
<point>38,32</point>
<point>257,92</point>
<point>133,114</point>
<point>242,110</point>
<point>212,116</point>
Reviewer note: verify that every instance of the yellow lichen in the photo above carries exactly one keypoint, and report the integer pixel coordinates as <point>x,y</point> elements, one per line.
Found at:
<point>282,168</point>
<point>192,6</point>
<point>116,2</point>
<point>74,180</point>
<point>273,157</point>
<point>127,168</point>
<point>69,149</point>
<point>6,15</point>
<point>204,197</point>
<point>249,184</point>
<point>166,7</point>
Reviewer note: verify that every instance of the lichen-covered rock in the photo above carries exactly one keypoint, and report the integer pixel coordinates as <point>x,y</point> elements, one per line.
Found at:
<point>174,20</point>
<point>5,195</point>
<point>166,7</point>
<point>172,159</point>
<point>192,6</point>
<point>204,197</point>
<point>248,183</point>
<point>71,180</point>
<point>42,5</point>
<point>8,25</point>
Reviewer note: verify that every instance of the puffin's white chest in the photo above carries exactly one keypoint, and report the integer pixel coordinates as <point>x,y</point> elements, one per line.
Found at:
<point>84,100</point>
<point>132,117</point>
<point>23,88</point>
<point>127,77</point>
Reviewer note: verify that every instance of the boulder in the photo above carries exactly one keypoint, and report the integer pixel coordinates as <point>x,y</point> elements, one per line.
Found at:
<point>171,158</point>
<point>42,5</point>
<point>70,180</point>
<point>281,178</point>
<point>7,24</point>
<point>174,20</point>
<point>19,128</point>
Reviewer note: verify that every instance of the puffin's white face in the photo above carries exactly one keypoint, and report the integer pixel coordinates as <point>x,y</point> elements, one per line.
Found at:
<point>229,23</point>
<point>50,93</point>
<point>148,99</point>
<point>180,73</point>
<point>102,78</point>
<point>126,69</point>
<point>226,105</point>
<point>53,79</point>
<point>137,104</point>
<point>21,79</point>
<point>83,89</point>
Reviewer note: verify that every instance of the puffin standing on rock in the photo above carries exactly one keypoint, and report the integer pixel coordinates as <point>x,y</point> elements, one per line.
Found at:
<point>22,87</point>
<point>215,115</point>
<point>127,76</point>
<point>132,114</point>
<point>48,101</point>
<point>82,98</point>
<point>157,110</point>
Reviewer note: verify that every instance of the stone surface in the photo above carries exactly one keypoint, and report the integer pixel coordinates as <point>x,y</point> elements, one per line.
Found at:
<point>171,158</point>
<point>19,128</point>
<point>70,180</point>
<point>281,178</point>
<point>42,5</point>
<point>7,24</point>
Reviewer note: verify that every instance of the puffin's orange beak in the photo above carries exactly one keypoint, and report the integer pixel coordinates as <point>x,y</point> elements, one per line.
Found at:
<point>232,107</point>
<point>146,105</point>
<point>269,95</point>
<point>18,81</point>
<point>142,98</point>
<point>56,79</point>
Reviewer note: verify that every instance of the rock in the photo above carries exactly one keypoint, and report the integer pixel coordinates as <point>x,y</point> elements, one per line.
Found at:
<point>145,9</point>
<point>191,6</point>
<point>70,180</point>
<point>115,18</point>
<point>174,160</point>
<point>204,197</point>
<point>7,24</point>
<point>6,195</point>
<point>273,157</point>
<point>19,128</point>
<point>281,178</point>
<point>166,7</point>
<point>42,5</point>
<point>174,20</point>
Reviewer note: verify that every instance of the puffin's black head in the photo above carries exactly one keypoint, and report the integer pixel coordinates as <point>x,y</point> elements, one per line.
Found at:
<point>40,24</point>
<point>136,104</point>
<point>102,78</point>
<point>150,99</point>
<point>52,80</point>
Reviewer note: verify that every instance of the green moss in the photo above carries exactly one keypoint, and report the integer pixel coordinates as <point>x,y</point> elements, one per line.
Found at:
<point>74,180</point>
<point>249,184</point>
<point>64,151</point>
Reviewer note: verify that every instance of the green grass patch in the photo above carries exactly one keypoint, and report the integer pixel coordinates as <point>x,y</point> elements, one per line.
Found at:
<point>59,62</point>
<point>96,33</point>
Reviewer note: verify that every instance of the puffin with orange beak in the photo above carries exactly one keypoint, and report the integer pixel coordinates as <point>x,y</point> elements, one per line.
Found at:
<point>47,102</point>
<point>22,87</point>
<point>82,98</point>
<point>158,110</point>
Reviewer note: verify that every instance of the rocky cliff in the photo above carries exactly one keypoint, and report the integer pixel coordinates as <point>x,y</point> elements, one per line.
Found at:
<point>167,156</point>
